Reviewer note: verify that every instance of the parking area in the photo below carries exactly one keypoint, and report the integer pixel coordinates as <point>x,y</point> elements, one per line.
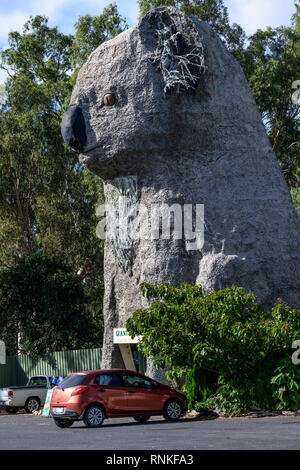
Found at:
<point>23,431</point>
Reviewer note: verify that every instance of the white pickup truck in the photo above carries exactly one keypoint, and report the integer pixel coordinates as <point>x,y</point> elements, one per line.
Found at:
<point>30,397</point>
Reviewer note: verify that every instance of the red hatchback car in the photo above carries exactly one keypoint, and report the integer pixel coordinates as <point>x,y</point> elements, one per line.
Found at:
<point>95,395</point>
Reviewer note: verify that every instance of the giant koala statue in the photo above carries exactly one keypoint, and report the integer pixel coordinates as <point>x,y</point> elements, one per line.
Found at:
<point>163,114</point>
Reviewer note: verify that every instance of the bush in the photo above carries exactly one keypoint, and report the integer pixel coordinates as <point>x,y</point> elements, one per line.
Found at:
<point>43,301</point>
<point>233,353</point>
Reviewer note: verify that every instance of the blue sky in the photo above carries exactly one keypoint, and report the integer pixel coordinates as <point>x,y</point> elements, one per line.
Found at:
<point>250,14</point>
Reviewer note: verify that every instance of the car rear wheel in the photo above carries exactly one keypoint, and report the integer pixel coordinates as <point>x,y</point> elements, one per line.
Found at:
<point>172,410</point>
<point>94,416</point>
<point>141,419</point>
<point>63,423</point>
<point>32,404</point>
<point>11,409</point>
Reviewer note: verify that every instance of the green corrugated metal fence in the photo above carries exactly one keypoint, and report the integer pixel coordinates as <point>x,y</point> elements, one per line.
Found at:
<point>18,369</point>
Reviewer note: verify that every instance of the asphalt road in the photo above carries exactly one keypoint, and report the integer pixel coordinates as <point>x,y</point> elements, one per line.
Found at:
<point>24,431</point>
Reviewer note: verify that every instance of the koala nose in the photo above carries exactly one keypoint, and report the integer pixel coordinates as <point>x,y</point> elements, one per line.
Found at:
<point>73,128</point>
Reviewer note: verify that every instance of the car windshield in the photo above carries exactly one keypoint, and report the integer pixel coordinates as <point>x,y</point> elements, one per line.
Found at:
<point>72,381</point>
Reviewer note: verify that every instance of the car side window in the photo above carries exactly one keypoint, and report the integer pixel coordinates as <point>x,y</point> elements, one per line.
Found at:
<point>131,380</point>
<point>109,379</point>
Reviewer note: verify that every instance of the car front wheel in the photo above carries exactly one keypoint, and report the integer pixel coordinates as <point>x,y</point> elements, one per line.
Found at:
<point>172,410</point>
<point>94,416</point>
<point>141,419</point>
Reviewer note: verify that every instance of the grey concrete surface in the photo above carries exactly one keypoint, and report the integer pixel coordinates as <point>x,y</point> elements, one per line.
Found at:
<point>23,431</point>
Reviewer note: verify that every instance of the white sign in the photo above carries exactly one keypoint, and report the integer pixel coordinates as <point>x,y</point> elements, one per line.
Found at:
<point>121,336</point>
<point>2,353</point>
<point>46,409</point>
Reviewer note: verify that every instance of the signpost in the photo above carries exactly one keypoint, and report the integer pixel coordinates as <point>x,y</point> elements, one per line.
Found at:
<point>124,340</point>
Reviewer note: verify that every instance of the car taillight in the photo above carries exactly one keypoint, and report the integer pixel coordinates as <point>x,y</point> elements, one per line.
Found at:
<point>10,394</point>
<point>79,391</point>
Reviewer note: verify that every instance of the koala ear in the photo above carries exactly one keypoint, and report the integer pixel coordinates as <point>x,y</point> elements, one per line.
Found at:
<point>179,53</point>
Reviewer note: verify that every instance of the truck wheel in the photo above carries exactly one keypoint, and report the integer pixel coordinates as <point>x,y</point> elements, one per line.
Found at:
<point>63,423</point>
<point>11,409</point>
<point>32,404</point>
<point>94,416</point>
<point>172,410</point>
<point>141,419</point>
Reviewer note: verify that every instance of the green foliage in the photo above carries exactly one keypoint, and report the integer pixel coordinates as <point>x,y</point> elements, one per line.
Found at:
<point>272,64</point>
<point>34,164</point>
<point>47,200</point>
<point>296,199</point>
<point>43,302</point>
<point>147,5</point>
<point>91,31</point>
<point>2,94</point>
<point>286,381</point>
<point>199,385</point>
<point>227,346</point>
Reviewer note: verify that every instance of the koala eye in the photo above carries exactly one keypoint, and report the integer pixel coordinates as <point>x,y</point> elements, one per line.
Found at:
<point>109,99</point>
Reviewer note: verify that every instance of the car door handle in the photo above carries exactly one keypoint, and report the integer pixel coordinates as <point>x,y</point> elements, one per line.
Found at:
<point>130,391</point>
<point>100,390</point>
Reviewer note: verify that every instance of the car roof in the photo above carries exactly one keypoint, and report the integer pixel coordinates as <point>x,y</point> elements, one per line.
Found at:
<point>37,375</point>
<point>103,371</point>
<point>98,371</point>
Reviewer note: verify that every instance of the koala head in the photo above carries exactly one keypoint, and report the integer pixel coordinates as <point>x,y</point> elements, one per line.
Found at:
<point>133,94</point>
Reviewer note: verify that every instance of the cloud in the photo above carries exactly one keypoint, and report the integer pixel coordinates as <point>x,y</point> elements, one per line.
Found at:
<point>64,13</point>
<point>251,14</point>
<point>3,76</point>
<point>48,8</point>
<point>12,21</point>
<point>61,13</point>
<point>259,14</point>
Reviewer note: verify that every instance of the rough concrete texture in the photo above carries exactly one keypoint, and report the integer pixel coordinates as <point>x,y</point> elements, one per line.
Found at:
<point>176,139</point>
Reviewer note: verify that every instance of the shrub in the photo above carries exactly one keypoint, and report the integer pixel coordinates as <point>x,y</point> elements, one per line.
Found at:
<point>232,352</point>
